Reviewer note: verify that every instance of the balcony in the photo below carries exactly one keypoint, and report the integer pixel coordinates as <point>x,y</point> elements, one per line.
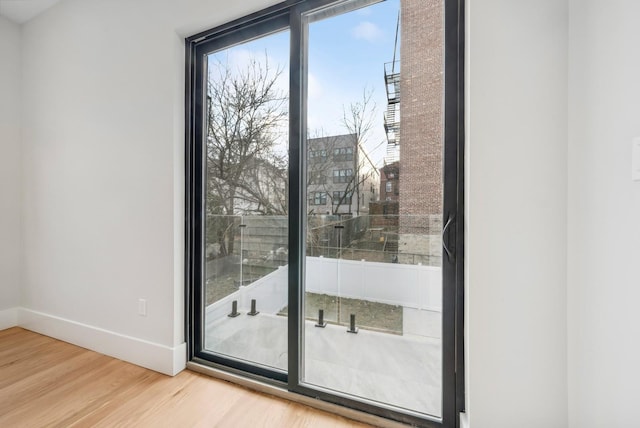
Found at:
<point>353,267</point>
<point>392,81</point>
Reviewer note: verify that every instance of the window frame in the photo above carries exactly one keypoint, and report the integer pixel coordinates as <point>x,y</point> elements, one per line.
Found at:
<point>317,178</point>
<point>343,175</point>
<point>319,155</point>
<point>337,196</point>
<point>288,15</point>
<point>318,198</point>
<point>343,154</point>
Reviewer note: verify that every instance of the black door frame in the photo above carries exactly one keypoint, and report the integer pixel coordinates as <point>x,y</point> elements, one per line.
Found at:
<point>288,15</point>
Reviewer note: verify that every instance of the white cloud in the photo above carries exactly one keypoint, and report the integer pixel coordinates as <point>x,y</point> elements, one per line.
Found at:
<point>367,31</point>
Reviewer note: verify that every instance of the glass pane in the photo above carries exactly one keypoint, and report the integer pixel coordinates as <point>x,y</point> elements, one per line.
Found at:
<point>246,202</point>
<point>373,256</point>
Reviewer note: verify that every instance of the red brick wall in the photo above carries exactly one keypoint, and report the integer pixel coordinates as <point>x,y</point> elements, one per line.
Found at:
<point>383,214</point>
<point>421,108</point>
<point>389,173</point>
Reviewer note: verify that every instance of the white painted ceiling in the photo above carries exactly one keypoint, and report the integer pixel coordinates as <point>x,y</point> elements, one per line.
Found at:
<point>20,11</point>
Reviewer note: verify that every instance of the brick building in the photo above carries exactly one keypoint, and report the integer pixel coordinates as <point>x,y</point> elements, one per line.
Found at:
<point>419,129</point>
<point>390,182</point>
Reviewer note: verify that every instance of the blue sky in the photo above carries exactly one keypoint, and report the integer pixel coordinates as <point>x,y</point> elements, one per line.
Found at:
<point>346,55</point>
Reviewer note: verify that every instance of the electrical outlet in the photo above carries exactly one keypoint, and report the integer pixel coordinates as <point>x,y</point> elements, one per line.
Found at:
<point>142,307</point>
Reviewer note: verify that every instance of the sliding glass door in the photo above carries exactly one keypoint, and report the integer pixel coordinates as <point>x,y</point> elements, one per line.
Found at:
<point>324,192</point>
<point>374,240</point>
<point>245,201</point>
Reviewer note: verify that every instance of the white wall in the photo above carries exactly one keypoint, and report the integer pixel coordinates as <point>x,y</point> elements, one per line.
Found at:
<point>104,168</point>
<point>604,214</point>
<point>10,171</point>
<point>99,168</point>
<point>516,213</point>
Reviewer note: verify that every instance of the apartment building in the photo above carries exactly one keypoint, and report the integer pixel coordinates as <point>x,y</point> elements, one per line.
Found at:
<point>341,177</point>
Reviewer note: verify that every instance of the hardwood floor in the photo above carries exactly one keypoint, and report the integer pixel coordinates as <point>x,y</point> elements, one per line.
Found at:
<point>48,383</point>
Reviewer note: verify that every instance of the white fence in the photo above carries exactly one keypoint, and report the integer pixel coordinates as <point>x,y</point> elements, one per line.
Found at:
<point>269,291</point>
<point>411,286</point>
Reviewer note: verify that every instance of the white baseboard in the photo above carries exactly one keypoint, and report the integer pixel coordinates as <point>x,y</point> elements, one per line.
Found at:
<point>160,358</point>
<point>8,318</point>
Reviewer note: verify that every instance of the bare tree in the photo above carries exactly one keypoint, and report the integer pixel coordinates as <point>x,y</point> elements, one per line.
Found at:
<point>359,119</point>
<point>264,188</point>
<point>320,165</point>
<point>245,174</point>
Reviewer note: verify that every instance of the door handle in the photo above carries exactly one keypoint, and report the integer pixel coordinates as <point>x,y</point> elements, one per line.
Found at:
<point>445,229</point>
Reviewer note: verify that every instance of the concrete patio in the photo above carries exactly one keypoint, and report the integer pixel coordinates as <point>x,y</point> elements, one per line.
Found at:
<point>400,370</point>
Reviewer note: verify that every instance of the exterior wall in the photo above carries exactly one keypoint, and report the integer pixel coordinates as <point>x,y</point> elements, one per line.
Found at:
<point>421,101</point>
<point>369,182</point>
<point>326,167</point>
<point>384,214</point>
<point>421,131</point>
<point>390,174</point>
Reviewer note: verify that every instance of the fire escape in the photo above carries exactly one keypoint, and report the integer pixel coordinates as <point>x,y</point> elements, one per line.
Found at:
<point>392,114</point>
<point>391,168</point>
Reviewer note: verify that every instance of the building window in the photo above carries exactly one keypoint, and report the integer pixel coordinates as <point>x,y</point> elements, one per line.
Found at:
<point>341,154</point>
<point>341,198</point>
<point>318,198</point>
<point>342,175</point>
<point>389,187</point>
<point>317,178</point>
<point>318,155</point>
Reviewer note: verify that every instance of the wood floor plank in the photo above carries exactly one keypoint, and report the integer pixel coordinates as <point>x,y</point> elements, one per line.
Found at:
<point>14,331</point>
<point>20,340</point>
<point>20,365</point>
<point>48,383</point>
<point>82,397</point>
<point>44,391</point>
